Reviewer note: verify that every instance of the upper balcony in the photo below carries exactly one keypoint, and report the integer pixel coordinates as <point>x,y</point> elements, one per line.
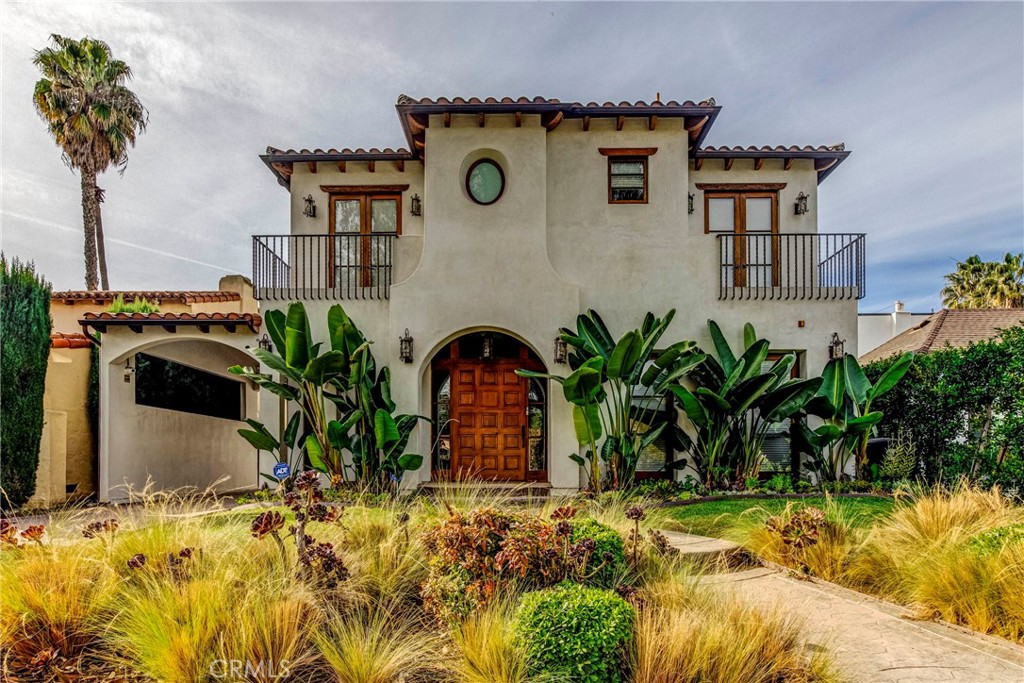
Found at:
<point>318,267</point>
<point>801,266</point>
<point>751,266</point>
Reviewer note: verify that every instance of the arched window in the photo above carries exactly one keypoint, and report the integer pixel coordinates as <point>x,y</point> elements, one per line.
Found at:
<point>442,428</point>
<point>536,420</point>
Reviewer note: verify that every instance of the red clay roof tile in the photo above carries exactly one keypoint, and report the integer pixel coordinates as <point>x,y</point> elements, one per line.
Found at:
<point>69,340</point>
<point>174,296</point>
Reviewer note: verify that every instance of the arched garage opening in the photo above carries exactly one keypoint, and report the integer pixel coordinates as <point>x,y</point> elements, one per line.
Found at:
<point>170,413</point>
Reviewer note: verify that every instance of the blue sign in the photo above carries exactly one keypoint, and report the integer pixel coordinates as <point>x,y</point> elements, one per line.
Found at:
<point>281,470</point>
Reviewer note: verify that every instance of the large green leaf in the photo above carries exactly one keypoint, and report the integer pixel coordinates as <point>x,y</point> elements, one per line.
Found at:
<point>754,357</point>
<point>584,384</point>
<point>692,406</point>
<point>595,335</point>
<point>410,462</point>
<point>584,416</point>
<point>338,436</point>
<point>892,376</point>
<point>296,336</point>
<point>265,381</point>
<point>749,335</point>
<point>273,320</point>
<point>275,362</point>
<point>725,355</point>
<point>749,392</point>
<point>292,430</point>
<point>323,368</point>
<point>857,383</point>
<point>315,452</point>
<point>259,437</point>
<point>384,428</point>
<point>625,356</point>
<point>833,384</point>
<point>790,398</point>
<point>863,423</point>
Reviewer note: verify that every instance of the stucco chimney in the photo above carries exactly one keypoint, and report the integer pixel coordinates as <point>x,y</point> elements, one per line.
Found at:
<point>898,307</point>
<point>242,285</point>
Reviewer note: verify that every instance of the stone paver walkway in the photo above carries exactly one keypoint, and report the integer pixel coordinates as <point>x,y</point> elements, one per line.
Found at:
<point>874,640</point>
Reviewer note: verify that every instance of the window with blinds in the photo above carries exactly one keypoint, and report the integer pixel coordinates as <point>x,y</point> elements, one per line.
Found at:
<point>627,180</point>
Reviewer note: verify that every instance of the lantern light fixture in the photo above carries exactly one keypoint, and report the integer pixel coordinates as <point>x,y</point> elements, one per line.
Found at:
<point>561,351</point>
<point>689,203</point>
<point>800,207</point>
<point>310,210</point>
<point>265,343</point>
<point>128,370</point>
<point>415,205</point>
<point>836,347</point>
<point>405,347</point>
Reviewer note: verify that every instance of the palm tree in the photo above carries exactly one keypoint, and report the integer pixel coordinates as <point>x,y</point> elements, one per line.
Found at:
<point>986,284</point>
<point>94,119</point>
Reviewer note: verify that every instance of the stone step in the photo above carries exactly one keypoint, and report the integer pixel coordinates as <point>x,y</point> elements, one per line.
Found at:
<point>712,552</point>
<point>512,492</point>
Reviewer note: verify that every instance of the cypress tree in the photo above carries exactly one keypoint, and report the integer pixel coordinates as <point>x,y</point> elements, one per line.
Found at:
<point>25,327</point>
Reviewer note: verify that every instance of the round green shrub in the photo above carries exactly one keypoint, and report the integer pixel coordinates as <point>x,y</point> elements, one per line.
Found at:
<point>607,540</point>
<point>574,632</point>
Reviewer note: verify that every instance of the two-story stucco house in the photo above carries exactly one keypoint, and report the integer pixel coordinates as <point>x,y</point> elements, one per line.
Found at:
<point>505,219</point>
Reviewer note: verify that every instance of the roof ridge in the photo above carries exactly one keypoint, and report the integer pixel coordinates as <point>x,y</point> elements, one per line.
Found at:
<point>939,318</point>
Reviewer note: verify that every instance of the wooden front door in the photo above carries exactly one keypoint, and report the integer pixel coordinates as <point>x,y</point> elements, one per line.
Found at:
<point>489,426</point>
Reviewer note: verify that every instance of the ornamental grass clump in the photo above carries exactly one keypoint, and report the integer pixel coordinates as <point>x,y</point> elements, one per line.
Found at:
<point>575,633</point>
<point>487,651</point>
<point>937,552</point>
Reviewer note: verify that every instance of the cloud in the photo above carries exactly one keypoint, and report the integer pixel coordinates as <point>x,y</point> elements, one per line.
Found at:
<point>929,96</point>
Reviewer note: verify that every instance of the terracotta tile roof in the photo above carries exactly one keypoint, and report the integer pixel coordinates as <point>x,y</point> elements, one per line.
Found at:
<point>405,100</point>
<point>413,116</point>
<point>345,154</point>
<point>949,328</point>
<point>826,157</point>
<point>181,297</point>
<point>136,321</point>
<point>71,340</point>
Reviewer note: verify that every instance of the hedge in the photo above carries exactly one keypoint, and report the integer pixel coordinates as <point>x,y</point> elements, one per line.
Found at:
<point>25,327</point>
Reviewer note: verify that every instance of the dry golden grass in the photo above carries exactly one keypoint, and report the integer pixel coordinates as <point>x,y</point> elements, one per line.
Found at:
<point>486,648</point>
<point>688,633</point>
<point>377,645</point>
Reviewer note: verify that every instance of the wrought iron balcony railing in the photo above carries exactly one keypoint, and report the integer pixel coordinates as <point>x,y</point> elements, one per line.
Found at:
<point>767,266</point>
<point>338,266</point>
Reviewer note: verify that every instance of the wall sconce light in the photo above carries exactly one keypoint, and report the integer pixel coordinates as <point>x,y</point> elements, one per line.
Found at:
<point>415,206</point>
<point>265,343</point>
<point>128,370</point>
<point>405,347</point>
<point>801,204</point>
<point>689,203</point>
<point>310,210</point>
<point>561,351</point>
<point>836,347</point>
<point>487,347</point>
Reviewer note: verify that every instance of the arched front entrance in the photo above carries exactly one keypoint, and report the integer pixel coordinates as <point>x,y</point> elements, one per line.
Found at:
<point>489,423</point>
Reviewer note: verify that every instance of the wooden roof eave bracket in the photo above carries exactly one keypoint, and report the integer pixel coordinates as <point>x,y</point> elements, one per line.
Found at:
<point>758,163</point>
<point>693,129</point>
<point>787,163</point>
<point>553,121</point>
<point>727,163</point>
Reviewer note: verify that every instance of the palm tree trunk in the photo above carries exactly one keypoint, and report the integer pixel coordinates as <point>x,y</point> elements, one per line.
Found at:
<point>101,251</point>
<point>89,216</point>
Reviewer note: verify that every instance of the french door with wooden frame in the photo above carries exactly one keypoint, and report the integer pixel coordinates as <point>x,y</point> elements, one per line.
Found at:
<point>356,256</point>
<point>753,217</point>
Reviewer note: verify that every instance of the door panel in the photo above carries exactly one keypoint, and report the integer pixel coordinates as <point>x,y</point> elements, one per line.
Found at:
<point>490,409</point>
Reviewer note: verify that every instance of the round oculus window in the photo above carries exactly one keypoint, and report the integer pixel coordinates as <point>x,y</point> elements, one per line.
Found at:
<point>485,181</point>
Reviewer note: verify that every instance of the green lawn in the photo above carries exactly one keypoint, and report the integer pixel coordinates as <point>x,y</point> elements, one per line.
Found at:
<point>720,517</point>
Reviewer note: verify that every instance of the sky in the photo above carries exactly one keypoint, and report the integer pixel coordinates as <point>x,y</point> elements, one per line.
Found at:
<point>928,97</point>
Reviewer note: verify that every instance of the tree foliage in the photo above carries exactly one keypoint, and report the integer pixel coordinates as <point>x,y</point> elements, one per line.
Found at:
<point>94,119</point>
<point>25,327</point>
<point>963,409</point>
<point>986,284</point>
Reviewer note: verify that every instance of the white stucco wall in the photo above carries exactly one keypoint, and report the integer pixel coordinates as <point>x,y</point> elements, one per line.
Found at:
<point>173,449</point>
<point>553,247</point>
<point>874,329</point>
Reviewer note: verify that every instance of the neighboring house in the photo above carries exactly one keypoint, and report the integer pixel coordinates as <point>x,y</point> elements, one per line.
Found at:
<point>874,329</point>
<point>504,219</point>
<point>949,328</point>
<point>168,410</point>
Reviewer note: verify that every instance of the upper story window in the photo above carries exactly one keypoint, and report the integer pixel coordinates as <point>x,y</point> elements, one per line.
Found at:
<point>627,174</point>
<point>741,208</point>
<point>366,210</point>
<point>485,182</point>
